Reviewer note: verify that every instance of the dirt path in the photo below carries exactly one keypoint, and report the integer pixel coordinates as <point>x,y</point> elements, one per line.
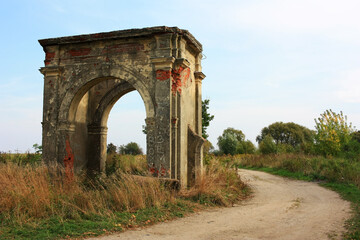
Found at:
<point>280,209</point>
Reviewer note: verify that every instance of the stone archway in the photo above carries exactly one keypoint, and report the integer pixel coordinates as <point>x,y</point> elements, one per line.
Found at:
<point>85,75</point>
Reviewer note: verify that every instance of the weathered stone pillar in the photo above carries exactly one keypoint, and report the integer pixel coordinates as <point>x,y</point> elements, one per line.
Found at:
<point>199,76</point>
<point>150,145</point>
<point>97,146</point>
<point>195,166</point>
<point>52,77</point>
<point>162,131</point>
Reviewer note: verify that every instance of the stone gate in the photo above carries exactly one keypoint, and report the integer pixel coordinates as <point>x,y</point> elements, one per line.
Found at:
<point>85,75</point>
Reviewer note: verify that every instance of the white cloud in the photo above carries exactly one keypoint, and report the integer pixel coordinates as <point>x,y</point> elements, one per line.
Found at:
<point>330,18</point>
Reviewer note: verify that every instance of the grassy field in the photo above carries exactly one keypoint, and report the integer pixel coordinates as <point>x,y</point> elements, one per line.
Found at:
<point>41,203</point>
<point>340,175</point>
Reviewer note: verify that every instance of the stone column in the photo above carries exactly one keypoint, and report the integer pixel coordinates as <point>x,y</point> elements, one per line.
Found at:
<point>52,77</point>
<point>65,153</point>
<point>150,145</point>
<point>96,148</point>
<point>163,161</point>
<point>199,76</point>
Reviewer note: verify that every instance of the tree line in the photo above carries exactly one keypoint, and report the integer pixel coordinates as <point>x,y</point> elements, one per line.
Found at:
<point>333,136</point>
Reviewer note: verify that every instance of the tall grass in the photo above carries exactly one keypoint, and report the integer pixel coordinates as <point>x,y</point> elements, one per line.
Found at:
<point>20,158</point>
<point>39,192</point>
<point>126,163</point>
<point>220,185</point>
<point>317,167</point>
<point>31,194</point>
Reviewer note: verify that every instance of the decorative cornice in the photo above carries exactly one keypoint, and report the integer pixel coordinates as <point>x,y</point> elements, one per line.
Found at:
<point>163,62</point>
<point>129,33</point>
<point>51,71</point>
<point>199,75</point>
<point>182,62</point>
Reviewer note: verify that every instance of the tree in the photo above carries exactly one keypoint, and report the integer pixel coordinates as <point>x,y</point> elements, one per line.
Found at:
<point>233,142</point>
<point>352,148</point>
<point>207,147</point>
<point>111,148</point>
<point>131,148</point>
<point>249,147</point>
<point>333,133</point>
<point>37,148</point>
<point>206,117</point>
<point>288,136</point>
<point>267,145</point>
<point>355,136</point>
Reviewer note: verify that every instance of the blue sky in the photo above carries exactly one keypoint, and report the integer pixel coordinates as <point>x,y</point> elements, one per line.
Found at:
<point>266,60</point>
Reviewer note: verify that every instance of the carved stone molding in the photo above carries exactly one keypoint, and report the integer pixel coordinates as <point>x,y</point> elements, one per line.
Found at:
<point>51,71</point>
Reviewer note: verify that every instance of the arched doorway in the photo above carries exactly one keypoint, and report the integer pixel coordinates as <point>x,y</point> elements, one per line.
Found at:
<point>85,75</point>
<point>89,119</point>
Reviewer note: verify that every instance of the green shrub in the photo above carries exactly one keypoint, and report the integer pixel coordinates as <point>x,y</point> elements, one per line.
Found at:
<point>287,134</point>
<point>232,142</point>
<point>267,145</point>
<point>131,148</point>
<point>333,133</point>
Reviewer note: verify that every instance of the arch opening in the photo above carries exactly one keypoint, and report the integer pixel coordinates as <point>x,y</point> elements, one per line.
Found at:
<point>125,124</point>
<point>126,120</point>
<point>88,131</point>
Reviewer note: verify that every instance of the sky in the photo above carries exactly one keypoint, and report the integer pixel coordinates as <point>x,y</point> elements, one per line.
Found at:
<point>265,60</point>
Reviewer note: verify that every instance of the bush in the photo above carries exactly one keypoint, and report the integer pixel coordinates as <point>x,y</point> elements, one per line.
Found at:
<point>233,142</point>
<point>111,148</point>
<point>333,133</point>
<point>249,147</point>
<point>267,145</point>
<point>289,137</point>
<point>131,148</point>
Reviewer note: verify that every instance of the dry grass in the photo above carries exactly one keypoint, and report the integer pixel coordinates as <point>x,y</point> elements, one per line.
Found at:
<point>318,167</point>
<point>29,192</point>
<point>219,185</point>
<point>126,163</point>
<point>36,192</point>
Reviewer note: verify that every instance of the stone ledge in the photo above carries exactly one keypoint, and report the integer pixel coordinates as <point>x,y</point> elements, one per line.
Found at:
<point>129,33</point>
